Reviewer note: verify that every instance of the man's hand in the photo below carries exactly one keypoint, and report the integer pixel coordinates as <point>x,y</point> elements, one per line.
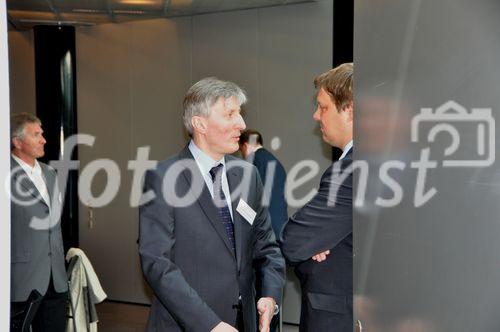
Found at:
<point>321,256</point>
<point>224,327</point>
<point>265,307</point>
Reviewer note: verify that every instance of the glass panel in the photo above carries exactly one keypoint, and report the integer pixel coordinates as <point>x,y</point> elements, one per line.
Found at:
<point>426,228</point>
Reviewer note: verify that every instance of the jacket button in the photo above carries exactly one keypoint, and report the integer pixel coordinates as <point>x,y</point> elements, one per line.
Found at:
<point>50,254</point>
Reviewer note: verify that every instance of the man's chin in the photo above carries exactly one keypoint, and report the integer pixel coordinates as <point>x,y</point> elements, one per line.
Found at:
<point>328,141</point>
<point>233,149</point>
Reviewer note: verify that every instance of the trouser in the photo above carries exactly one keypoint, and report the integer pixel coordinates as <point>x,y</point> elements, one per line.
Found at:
<point>51,314</point>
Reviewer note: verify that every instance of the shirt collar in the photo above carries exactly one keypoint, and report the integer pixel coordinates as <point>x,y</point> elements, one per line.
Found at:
<point>205,162</point>
<point>346,150</point>
<point>26,167</point>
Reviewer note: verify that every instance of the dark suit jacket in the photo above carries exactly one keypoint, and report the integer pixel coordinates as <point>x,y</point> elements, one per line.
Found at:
<point>318,226</point>
<point>36,244</point>
<point>186,256</point>
<point>266,162</point>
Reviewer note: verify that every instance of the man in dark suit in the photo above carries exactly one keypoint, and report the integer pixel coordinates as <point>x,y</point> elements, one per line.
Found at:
<point>318,238</point>
<point>204,225</point>
<point>272,174</point>
<point>37,254</point>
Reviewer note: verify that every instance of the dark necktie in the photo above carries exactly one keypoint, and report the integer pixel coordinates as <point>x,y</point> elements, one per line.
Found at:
<point>221,204</point>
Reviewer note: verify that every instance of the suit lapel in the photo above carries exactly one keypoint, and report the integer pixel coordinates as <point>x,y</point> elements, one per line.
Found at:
<point>205,200</point>
<point>234,176</point>
<point>50,182</point>
<point>20,176</point>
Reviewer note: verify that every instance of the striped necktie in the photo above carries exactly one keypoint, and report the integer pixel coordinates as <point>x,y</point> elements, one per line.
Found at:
<point>221,204</point>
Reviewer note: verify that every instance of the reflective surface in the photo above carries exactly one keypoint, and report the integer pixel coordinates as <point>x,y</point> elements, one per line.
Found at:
<point>427,228</point>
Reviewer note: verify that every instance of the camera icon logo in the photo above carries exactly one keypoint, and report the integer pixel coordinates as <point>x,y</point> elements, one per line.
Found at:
<point>477,126</point>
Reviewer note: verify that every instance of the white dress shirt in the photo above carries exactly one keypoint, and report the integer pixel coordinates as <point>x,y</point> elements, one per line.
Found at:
<point>35,175</point>
<point>205,164</point>
<point>347,148</point>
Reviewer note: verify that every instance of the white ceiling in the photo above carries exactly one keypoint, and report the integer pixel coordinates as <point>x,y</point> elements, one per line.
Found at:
<point>23,14</point>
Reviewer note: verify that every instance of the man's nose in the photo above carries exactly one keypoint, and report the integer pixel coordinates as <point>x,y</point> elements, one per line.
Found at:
<point>316,115</point>
<point>241,123</point>
<point>43,141</point>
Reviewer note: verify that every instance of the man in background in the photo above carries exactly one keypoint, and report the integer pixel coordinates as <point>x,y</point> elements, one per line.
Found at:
<point>273,176</point>
<point>318,238</point>
<point>271,172</point>
<point>37,254</point>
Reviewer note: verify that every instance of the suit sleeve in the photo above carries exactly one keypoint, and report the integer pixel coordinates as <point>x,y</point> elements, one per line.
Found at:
<point>325,220</point>
<point>156,242</point>
<point>267,255</point>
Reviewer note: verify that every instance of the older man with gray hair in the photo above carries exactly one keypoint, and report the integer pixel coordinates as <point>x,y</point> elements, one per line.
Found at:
<point>37,254</point>
<point>206,231</point>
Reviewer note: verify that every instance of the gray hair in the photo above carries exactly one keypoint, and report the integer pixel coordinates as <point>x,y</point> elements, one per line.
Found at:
<point>19,120</point>
<point>204,94</point>
<point>17,123</point>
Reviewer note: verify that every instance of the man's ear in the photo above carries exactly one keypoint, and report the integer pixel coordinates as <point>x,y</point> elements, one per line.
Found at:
<point>349,109</point>
<point>16,142</point>
<point>199,124</point>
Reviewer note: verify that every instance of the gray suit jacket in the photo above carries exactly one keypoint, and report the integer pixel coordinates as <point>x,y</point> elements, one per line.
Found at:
<point>186,255</point>
<point>36,239</point>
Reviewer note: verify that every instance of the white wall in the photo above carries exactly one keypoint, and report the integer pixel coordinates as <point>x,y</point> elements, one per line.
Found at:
<point>4,174</point>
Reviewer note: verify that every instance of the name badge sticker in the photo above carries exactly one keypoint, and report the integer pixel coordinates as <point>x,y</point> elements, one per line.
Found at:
<point>246,211</point>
